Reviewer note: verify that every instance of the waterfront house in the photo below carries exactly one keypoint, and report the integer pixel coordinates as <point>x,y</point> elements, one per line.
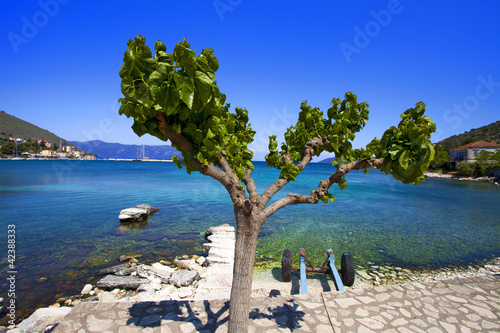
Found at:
<point>44,143</point>
<point>470,151</point>
<point>70,149</point>
<point>48,153</point>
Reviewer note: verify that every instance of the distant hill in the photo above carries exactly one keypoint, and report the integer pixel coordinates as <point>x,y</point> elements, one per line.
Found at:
<point>327,160</point>
<point>490,133</point>
<point>117,150</point>
<point>11,126</point>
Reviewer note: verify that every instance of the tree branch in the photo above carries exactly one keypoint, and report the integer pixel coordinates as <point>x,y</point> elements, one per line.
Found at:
<point>324,185</point>
<point>186,145</point>
<point>308,156</point>
<point>250,184</point>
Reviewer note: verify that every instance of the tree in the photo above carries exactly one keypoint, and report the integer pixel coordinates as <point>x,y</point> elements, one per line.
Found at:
<point>466,169</point>
<point>174,96</point>
<point>441,158</point>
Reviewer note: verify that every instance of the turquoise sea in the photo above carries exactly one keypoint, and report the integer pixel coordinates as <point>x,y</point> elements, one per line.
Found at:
<point>66,220</point>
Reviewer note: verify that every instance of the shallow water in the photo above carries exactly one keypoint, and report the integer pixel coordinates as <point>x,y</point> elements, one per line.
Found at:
<point>66,218</point>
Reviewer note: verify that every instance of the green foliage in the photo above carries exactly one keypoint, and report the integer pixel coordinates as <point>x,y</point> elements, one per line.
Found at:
<point>182,86</point>
<point>344,119</point>
<point>8,147</point>
<point>441,158</point>
<point>466,169</point>
<point>406,148</point>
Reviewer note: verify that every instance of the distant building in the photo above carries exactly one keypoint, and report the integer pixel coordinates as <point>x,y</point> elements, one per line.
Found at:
<point>44,143</point>
<point>69,149</point>
<point>17,139</point>
<point>470,151</point>
<point>63,155</point>
<point>48,153</point>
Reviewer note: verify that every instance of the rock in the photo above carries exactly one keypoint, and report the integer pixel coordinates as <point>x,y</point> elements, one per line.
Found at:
<point>201,260</point>
<point>150,272</point>
<point>114,269</point>
<point>127,271</point>
<point>185,292</point>
<point>163,270</point>
<point>364,275</point>
<point>166,291</point>
<point>187,264</point>
<point>127,257</point>
<point>42,318</point>
<point>150,209</point>
<point>137,213</point>
<point>146,287</point>
<point>107,296</point>
<point>110,282</point>
<point>183,278</point>
<point>86,289</point>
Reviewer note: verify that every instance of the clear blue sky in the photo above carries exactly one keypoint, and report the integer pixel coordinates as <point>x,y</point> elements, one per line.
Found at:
<point>60,60</point>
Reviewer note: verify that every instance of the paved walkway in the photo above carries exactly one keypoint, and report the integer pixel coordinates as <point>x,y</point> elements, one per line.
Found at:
<point>458,305</point>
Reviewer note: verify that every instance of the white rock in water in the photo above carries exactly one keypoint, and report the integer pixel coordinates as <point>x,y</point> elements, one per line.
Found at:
<point>133,214</point>
<point>86,289</point>
<point>137,213</point>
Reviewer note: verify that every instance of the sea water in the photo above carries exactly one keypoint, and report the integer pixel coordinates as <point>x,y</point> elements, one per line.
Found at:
<point>66,220</point>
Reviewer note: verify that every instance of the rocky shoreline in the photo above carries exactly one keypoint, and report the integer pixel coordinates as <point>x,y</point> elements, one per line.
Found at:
<point>210,277</point>
<point>493,180</point>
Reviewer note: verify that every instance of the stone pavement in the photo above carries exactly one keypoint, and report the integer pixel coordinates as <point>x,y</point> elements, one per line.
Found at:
<point>455,305</point>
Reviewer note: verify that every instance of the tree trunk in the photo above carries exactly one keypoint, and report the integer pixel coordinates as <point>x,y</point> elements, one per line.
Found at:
<point>247,230</point>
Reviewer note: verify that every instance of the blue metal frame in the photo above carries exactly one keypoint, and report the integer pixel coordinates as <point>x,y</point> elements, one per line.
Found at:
<point>303,281</point>
<point>335,273</point>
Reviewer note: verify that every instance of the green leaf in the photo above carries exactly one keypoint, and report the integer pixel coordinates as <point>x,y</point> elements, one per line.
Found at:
<point>203,86</point>
<point>159,46</point>
<point>200,157</point>
<point>187,94</point>
<point>404,159</point>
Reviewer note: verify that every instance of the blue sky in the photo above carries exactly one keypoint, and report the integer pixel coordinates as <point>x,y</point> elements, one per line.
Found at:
<point>60,60</point>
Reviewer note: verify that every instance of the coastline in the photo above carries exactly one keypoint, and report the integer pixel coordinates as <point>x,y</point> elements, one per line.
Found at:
<point>493,180</point>
<point>267,282</point>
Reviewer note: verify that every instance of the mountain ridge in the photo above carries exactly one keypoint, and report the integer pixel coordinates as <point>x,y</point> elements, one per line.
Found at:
<point>126,151</point>
<point>11,126</point>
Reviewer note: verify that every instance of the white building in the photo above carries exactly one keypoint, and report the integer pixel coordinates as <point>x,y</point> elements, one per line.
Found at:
<point>470,151</point>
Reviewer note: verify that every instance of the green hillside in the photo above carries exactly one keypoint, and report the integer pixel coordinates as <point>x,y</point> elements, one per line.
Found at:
<point>490,133</point>
<point>11,126</point>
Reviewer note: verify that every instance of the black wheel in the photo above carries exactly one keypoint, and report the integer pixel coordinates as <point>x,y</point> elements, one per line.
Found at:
<point>347,268</point>
<point>286,266</point>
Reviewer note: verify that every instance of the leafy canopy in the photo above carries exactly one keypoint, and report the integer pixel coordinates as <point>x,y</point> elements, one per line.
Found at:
<point>406,149</point>
<point>182,86</point>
